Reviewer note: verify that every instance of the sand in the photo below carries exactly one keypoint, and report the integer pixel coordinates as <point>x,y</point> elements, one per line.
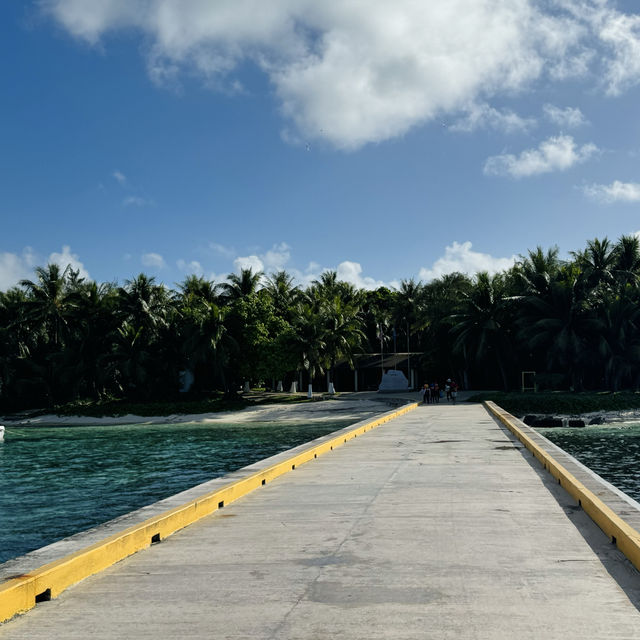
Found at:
<point>342,408</point>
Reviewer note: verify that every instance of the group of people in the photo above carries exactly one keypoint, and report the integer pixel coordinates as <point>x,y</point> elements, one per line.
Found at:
<point>431,393</point>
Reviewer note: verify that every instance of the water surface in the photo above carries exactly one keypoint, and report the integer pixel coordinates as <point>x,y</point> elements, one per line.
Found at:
<point>612,451</point>
<point>58,481</point>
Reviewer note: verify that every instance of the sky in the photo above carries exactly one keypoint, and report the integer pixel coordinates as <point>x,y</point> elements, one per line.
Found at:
<point>385,140</point>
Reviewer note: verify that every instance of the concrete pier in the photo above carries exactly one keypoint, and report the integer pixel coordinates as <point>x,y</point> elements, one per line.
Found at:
<point>435,525</point>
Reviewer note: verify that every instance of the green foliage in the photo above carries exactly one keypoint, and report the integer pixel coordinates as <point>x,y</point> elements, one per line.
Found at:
<point>560,403</point>
<point>575,322</point>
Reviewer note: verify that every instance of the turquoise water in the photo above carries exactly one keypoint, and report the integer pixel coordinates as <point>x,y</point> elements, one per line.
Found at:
<point>58,481</point>
<point>613,452</point>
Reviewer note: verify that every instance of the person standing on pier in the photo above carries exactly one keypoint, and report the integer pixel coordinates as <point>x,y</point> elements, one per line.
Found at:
<point>454,391</point>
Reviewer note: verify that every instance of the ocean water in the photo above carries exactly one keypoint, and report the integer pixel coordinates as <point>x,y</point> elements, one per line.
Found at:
<point>55,482</point>
<point>612,451</point>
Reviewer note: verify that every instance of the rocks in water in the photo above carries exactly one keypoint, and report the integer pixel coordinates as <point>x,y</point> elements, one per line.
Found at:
<point>551,422</point>
<point>547,421</point>
<point>597,420</point>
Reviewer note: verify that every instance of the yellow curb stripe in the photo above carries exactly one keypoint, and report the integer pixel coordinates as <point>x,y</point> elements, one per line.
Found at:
<point>19,594</point>
<point>626,538</point>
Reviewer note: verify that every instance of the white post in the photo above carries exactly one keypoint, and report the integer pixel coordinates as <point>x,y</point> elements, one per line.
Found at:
<point>310,391</point>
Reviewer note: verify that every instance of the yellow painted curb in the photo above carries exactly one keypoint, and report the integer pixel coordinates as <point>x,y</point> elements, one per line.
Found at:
<point>626,538</point>
<point>22,592</point>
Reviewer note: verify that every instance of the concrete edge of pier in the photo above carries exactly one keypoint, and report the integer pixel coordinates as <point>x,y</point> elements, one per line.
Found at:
<point>614,512</point>
<point>45,573</point>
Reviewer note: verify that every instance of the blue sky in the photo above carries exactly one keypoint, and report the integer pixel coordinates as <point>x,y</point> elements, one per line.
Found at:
<point>385,140</point>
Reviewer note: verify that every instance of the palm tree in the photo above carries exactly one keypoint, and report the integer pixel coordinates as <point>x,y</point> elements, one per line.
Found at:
<point>144,304</point>
<point>201,334</point>
<point>538,270</point>
<point>596,263</point>
<point>310,340</point>
<point>240,285</point>
<point>483,328</point>
<point>404,312</point>
<point>343,332</point>
<point>328,286</point>
<point>619,343</point>
<point>284,294</point>
<point>131,363</point>
<point>92,325</point>
<point>47,302</point>
<point>626,267</point>
<point>199,287</point>
<point>560,326</point>
<point>14,341</point>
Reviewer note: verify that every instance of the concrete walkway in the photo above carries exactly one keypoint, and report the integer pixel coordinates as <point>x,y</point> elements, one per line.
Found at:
<point>435,525</point>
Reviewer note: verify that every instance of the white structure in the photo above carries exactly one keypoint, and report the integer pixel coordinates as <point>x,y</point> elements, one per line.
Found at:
<point>1,433</point>
<point>394,380</point>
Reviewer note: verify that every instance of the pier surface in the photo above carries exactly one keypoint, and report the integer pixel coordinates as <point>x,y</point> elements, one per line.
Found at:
<point>434,525</point>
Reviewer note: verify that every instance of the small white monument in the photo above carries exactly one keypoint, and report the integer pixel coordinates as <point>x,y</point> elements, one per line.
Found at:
<point>394,380</point>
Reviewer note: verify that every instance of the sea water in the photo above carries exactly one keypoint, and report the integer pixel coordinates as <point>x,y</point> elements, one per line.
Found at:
<point>55,482</point>
<point>612,451</point>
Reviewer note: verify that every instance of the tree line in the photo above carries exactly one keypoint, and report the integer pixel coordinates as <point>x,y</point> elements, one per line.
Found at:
<point>575,322</point>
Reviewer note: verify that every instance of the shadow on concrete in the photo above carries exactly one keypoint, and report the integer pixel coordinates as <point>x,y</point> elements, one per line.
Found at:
<point>613,560</point>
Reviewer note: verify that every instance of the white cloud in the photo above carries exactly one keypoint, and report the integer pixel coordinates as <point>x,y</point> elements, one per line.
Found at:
<point>570,117</point>
<point>248,262</point>
<point>479,116</point>
<point>355,73</point>
<point>15,267</point>
<point>277,257</point>
<point>621,32</point>
<point>66,258</point>
<point>352,272</point>
<point>119,176</point>
<point>554,154</point>
<point>193,267</point>
<point>615,192</point>
<point>153,260</point>
<point>459,257</point>
<point>226,252</point>
<point>136,201</point>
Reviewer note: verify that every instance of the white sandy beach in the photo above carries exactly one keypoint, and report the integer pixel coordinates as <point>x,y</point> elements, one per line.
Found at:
<point>343,408</point>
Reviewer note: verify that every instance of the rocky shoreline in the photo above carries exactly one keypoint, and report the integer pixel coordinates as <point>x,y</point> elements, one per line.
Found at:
<point>551,421</point>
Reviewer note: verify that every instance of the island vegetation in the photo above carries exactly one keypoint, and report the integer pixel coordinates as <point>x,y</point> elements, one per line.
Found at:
<point>68,341</point>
